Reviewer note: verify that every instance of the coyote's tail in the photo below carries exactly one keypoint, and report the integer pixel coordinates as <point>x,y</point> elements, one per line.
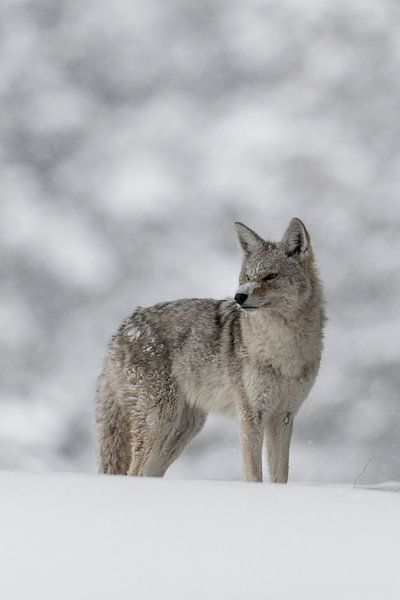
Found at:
<point>113,435</point>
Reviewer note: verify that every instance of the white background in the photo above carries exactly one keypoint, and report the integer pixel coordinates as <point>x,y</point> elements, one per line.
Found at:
<point>132,135</point>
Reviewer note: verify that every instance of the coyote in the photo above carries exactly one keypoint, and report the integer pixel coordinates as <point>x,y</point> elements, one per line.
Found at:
<point>255,357</point>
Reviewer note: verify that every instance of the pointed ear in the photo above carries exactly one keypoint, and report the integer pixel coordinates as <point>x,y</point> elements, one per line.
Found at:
<point>296,239</point>
<point>249,241</point>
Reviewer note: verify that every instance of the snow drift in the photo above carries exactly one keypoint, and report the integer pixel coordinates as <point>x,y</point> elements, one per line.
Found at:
<point>80,537</point>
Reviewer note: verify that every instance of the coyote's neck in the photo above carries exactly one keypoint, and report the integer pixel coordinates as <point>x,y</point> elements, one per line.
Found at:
<point>287,344</point>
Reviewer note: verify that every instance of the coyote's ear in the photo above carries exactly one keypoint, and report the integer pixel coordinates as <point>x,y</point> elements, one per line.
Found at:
<point>296,239</point>
<point>249,241</point>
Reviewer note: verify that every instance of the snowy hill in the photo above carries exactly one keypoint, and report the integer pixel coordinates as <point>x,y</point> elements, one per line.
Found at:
<point>91,537</point>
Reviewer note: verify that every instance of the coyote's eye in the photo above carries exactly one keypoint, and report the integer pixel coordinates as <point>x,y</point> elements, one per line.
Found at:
<point>270,277</point>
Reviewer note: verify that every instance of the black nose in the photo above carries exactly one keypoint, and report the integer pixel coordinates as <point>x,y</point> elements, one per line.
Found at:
<point>240,298</point>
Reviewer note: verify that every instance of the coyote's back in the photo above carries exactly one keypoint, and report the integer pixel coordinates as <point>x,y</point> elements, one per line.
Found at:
<point>255,358</point>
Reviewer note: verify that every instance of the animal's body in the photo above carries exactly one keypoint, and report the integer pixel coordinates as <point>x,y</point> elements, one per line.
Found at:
<point>255,358</point>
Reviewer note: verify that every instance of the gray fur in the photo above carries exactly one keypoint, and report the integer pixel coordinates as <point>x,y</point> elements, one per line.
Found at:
<point>171,364</point>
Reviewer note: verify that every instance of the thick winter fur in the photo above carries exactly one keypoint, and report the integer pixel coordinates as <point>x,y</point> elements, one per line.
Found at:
<point>171,364</point>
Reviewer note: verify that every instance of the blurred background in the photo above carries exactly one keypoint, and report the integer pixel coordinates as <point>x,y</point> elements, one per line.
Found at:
<point>133,134</point>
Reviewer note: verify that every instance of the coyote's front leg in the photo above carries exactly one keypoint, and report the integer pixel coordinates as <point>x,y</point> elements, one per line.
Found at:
<point>251,438</point>
<point>279,429</point>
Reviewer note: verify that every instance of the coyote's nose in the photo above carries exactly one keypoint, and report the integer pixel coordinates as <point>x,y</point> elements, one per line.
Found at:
<point>240,298</point>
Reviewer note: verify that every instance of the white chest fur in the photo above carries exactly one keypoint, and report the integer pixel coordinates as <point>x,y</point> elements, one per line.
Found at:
<point>283,361</point>
<point>273,341</point>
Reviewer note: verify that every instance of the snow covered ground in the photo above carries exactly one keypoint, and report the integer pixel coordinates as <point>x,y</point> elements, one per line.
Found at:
<point>68,536</point>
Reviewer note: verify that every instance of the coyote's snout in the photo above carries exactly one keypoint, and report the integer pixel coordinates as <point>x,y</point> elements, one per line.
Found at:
<point>255,358</point>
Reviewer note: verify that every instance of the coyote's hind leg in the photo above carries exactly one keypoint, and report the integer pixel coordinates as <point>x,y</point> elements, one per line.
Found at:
<point>189,424</point>
<point>161,436</point>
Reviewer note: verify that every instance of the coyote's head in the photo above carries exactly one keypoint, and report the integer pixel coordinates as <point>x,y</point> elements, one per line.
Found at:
<point>275,276</point>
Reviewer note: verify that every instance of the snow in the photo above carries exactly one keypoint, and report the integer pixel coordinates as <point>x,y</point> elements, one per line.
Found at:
<point>134,333</point>
<point>70,536</point>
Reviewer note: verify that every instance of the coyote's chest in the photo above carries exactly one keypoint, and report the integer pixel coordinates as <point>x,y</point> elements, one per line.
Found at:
<point>272,364</point>
<point>269,388</point>
<point>271,371</point>
<point>284,349</point>
<point>282,365</point>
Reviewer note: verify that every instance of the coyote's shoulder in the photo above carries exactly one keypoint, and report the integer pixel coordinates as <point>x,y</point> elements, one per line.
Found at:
<point>170,329</point>
<point>255,358</point>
